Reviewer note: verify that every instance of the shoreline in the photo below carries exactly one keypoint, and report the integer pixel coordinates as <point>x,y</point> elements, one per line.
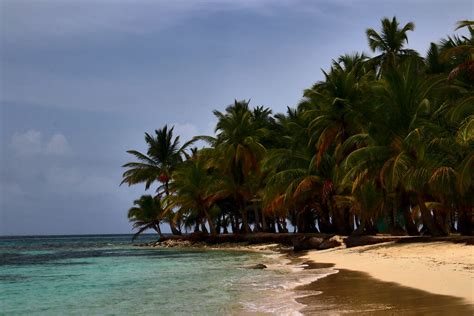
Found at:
<point>357,293</point>
<point>438,273</point>
<point>438,267</point>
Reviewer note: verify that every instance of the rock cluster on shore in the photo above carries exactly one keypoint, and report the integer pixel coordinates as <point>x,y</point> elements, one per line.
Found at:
<point>286,242</point>
<point>257,242</point>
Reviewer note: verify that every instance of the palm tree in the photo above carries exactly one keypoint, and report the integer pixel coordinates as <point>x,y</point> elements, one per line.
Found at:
<point>381,142</point>
<point>162,157</point>
<point>434,64</point>
<point>297,186</point>
<point>146,214</point>
<point>238,144</point>
<point>394,146</point>
<point>458,51</point>
<point>337,108</point>
<point>335,105</point>
<point>294,186</point>
<point>193,190</point>
<point>365,201</point>
<point>390,42</point>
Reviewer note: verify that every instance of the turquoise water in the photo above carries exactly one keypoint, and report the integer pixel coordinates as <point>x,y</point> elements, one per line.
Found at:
<point>91,275</point>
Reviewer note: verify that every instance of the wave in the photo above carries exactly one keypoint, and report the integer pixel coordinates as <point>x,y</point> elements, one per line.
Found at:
<point>278,290</point>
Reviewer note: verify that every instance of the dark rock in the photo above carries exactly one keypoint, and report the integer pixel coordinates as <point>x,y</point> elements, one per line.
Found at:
<point>329,243</point>
<point>356,241</point>
<point>306,243</point>
<point>260,266</point>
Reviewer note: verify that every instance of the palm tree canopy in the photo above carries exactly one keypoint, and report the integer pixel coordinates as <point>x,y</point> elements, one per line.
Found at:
<point>238,138</point>
<point>146,214</point>
<point>390,42</point>
<point>392,39</point>
<point>162,157</point>
<point>382,144</point>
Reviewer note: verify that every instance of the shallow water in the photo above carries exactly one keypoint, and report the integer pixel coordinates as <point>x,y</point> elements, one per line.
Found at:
<point>109,275</point>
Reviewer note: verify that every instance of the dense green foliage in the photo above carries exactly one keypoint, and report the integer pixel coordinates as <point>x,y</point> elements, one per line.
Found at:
<point>382,144</point>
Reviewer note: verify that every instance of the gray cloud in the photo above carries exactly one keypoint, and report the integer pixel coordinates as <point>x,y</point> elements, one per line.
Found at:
<point>56,19</point>
<point>28,143</point>
<point>57,145</point>
<point>31,143</point>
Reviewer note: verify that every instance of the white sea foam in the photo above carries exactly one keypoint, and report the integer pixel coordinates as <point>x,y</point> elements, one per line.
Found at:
<point>274,291</point>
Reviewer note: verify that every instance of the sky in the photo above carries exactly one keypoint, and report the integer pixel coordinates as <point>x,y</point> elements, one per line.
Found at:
<point>82,81</point>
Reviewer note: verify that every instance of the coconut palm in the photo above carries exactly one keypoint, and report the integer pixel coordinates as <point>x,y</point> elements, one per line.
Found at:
<point>163,156</point>
<point>458,52</point>
<point>294,186</point>
<point>146,214</point>
<point>394,143</point>
<point>335,105</point>
<point>433,61</point>
<point>382,144</point>
<point>240,150</point>
<point>390,42</point>
<point>298,187</point>
<point>192,191</point>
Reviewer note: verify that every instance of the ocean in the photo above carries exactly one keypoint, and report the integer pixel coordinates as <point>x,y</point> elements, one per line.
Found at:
<point>108,274</point>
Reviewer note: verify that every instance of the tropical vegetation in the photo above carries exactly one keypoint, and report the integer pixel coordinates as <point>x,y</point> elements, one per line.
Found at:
<point>382,144</point>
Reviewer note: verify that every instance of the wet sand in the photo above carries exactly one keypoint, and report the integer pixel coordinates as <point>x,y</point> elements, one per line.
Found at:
<point>436,267</point>
<point>356,293</point>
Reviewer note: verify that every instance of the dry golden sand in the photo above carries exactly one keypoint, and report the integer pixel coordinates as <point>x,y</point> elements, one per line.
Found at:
<point>437,267</point>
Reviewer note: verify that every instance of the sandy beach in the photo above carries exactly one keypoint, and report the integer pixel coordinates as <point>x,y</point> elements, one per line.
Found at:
<point>409,277</point>
<point>437,267</point>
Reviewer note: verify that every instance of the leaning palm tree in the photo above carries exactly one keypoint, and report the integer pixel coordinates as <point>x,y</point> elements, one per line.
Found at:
<point>146,214</point>
<point>390,42</point>
<point>162,157</point>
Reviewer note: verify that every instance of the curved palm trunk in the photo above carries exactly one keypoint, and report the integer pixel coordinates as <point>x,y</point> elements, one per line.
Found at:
<point>366,227</point>
<point>341,220</point>
<point>225,224</point>
<point>304,221</point>
<point>212,227</point>
<point>410,225</point>
<point>442,220</point>
<point>271,227</point>
<point>428,219</point>
<point>204,228</point>
<point>245,223</point>
<point>157,228</point>
<point>279,226</point>
<point>174,229</point>
<point>324,224</point>
<point>282,227</point>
